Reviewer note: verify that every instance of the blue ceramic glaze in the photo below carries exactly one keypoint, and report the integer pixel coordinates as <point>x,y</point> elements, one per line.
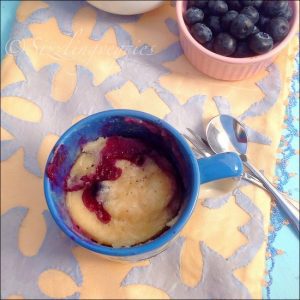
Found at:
<point>129,123</point>
<point>219,166</point>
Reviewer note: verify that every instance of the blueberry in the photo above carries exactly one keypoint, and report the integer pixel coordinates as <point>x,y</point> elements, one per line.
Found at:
<point>193,15</point>
<point>251,12</point>
<point>209,45</point>
<point>263,22</point>
<point>274,8</point>
<point>213,22</point>
<point>234,5</point>
<point>288,13</point>
<point>255,3</point>
<point>201,33</point>
<point>241,26</point>
<point>224,44</point>
<point>197,3</point>
<point>242,50</point>
<point>228,18</point>
<point>260,43</point>
<point>217,7</point>
<point>255,30</point>
<point>278,28</point>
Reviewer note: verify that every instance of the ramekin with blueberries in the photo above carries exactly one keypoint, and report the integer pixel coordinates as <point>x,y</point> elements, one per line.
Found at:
<point>238,28</point>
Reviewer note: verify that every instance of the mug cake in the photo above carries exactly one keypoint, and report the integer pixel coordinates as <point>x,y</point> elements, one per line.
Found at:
<point>120,191</point>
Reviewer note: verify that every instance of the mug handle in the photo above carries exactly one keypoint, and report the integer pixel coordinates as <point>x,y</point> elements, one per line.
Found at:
<point>220,166</point>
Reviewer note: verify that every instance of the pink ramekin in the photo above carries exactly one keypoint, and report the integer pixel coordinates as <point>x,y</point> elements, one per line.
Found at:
<point>228,68</point>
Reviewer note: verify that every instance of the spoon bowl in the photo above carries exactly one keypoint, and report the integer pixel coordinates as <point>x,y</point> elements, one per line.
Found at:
<point>226,134</point>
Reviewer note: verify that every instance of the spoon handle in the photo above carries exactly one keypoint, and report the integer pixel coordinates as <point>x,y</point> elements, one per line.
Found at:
<point>254,180</point>
<point>287,207</point>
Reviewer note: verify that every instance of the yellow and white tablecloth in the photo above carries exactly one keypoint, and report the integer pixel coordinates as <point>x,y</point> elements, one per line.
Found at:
<point>67,60</point>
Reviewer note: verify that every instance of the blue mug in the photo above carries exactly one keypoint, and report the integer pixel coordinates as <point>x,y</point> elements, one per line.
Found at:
<point>129,123</point>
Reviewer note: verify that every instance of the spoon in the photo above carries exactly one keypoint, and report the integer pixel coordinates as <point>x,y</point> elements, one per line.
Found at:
<point>226,134</point>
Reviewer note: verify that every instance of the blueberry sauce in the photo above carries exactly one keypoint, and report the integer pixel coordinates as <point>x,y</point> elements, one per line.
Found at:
<point>53,168</point>
<point>90,199</point>
<point>117,148</point>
